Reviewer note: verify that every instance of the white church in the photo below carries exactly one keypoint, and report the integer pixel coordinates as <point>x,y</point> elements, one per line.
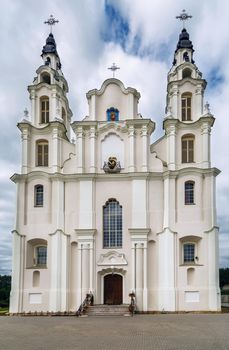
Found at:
<point>112,213</point>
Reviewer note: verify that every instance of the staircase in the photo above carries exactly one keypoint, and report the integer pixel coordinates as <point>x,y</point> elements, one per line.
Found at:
<point>107,310</point>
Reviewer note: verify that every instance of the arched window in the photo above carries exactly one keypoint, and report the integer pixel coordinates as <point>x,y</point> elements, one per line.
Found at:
<point>186,73</point>
<point>112,114</point>
<point>186,106</point>
<point>38,195</point>
<point>189,192</point>
<point>189,252</point>
<point>36,278</point>
<point>36,253</point>
<point>45,78</point>
<point>187,145</point>
<point>112,224</point>
<point>44,109</point>
<point>42,153</point>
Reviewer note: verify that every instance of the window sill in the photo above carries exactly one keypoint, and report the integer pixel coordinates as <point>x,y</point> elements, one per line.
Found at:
<point>37,267</point>
<point>191,264</point>
<point>189,203</point>
<point>120,247</point>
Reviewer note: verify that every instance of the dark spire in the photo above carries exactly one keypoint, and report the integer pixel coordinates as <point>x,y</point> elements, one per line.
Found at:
<point>50,46</point>
<point>184,42</point>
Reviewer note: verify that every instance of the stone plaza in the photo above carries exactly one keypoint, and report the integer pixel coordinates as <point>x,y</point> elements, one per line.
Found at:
<point>161,331</point>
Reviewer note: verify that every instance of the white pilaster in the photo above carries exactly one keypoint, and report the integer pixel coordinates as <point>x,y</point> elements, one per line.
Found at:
<point>80,149</point>
<point>139,266</point>
<point>175,94</point>
<point>198,110</point>
<point>166,270</point>
<point>85,274</point>
<point>59,251</point>
<point>139,203</point>
<point>56,143</point>
<point>205,132</point>
<point>92,150</point>
<point>213,269</point>
<point>53,105</point>
<point>25,136</point>
<point>34,117</point>
<point>131,136</point>
<point>171,146</point>
<point>144,137</point>
<point>18,266</point>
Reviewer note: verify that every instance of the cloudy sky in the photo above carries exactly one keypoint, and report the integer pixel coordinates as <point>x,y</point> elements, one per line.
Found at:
<point>140,36</point>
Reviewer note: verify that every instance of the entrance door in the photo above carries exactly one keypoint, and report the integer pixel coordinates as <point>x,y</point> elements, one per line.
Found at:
<point>113,289</point>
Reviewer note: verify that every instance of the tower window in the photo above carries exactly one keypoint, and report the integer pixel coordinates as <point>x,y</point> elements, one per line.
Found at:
<point>186,73</point>
<point>42,153</point>
<point>187,148</point>
<point>112,224</point>
<point>189,192</point>
<point>44,107</point>
<point>112,114</point>
<point>189,252</point>
<point>186,107</point>
<point>38,195</point>
<point>36,253</point>
<point>46,78</point>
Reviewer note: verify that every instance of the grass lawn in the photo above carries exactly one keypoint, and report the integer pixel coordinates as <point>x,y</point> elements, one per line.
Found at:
<point>3,311</point>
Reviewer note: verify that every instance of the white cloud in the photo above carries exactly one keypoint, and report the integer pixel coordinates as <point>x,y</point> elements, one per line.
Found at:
<point>85,58</point>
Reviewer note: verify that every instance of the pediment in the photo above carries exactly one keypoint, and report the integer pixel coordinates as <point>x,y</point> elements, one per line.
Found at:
<point>112,258</point>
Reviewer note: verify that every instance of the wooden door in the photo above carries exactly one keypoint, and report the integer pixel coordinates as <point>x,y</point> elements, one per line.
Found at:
<point>113,289</point>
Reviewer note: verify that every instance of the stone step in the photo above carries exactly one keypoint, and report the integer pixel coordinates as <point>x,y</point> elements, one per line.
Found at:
<point>108,310</point>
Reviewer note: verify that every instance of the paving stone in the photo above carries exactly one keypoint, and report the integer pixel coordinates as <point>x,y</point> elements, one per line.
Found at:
<point>159,332</point>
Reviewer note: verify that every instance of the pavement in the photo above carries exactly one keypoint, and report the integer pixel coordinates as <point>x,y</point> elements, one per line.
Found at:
<point>161,332</point>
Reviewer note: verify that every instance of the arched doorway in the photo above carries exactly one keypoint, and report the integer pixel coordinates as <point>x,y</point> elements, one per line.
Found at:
<point>113,289</point>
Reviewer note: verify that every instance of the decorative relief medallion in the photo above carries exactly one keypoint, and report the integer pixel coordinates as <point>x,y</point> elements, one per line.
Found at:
<point>112,165</point>
<point>112,259</point>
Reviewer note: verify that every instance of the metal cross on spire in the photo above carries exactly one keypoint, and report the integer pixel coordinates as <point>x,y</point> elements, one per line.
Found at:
<point>51,22</point>
<point>113,68</point>
<point>183,17</point>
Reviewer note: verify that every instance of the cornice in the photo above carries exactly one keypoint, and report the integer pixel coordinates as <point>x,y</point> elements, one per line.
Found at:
<point>46,129</point>
<point>207,118</point>
<point>172,174</point>
<point>118,82</point>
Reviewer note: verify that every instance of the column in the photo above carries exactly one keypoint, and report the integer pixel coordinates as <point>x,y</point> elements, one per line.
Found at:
<point>205,132</point>
<point>171,146</point>
<point>131,136</point>
<point>16,295</point>
<point>144,136</point>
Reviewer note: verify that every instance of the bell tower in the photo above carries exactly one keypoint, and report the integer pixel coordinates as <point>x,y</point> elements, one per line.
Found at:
<point>188,120</point>
<point>50,116</point>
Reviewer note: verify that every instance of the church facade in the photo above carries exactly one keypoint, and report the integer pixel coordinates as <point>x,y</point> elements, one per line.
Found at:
<point>112,213</point>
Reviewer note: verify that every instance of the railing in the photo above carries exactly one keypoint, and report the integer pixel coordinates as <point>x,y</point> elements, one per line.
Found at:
<point>87,301</point>
<point>132,306</point>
